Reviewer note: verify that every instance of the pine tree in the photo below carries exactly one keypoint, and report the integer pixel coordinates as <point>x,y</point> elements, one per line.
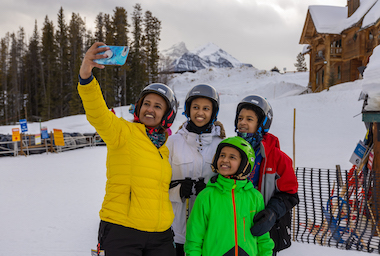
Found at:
<point>63,90</point>
<point>106,75</point>
<point>4,58</point>
<point>77,32</point>
<point>120,25</point>
<point>49,67</point>
<point>152,34</point>
<point>16,68</point>
<point>301,63</point>
<point>33,75</point>
<point>99,28</point>
<point>21,52</point>
<point>137,77</point>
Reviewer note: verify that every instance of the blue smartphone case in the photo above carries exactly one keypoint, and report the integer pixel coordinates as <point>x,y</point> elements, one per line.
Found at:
<point>117,55</point>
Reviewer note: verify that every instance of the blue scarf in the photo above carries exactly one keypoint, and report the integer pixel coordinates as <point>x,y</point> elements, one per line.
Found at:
<point>254,139</point>
<point>157,138</point>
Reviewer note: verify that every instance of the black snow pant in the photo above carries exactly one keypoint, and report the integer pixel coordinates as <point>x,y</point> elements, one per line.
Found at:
<point>117,240</point>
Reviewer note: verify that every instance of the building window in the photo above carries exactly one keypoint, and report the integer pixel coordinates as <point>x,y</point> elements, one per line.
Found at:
<point>339,73</point>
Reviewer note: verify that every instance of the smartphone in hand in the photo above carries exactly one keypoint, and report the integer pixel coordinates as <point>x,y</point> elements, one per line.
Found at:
<point>116,55</point>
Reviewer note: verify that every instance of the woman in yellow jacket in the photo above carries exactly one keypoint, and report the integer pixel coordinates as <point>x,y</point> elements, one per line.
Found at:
<point>136,214</point>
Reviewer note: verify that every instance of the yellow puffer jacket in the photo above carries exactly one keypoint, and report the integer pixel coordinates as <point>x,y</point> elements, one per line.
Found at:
<point>138,174</point>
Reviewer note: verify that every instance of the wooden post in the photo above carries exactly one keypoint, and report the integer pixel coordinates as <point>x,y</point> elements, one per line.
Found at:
<point>21,152</point>
<point>376,167</point>
<point>327,62</point>
<point>374,118</point>
<point>313,68</point>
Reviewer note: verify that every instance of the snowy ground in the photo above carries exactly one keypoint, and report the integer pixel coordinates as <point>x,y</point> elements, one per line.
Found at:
<point>50,202</point>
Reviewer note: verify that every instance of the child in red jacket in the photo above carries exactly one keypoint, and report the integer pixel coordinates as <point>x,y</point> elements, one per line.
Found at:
<point>273,173</point>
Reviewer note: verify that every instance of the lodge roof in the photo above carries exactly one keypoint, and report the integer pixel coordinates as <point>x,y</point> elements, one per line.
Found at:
<point>334,20</point>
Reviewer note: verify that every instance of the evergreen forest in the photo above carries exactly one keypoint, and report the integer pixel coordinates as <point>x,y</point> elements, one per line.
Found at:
<point>39,75</point>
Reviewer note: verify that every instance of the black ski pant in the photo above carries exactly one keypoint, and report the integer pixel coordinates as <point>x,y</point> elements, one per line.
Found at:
<point>117,240</point>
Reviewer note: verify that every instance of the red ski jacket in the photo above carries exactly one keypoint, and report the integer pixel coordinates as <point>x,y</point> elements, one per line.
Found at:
<point>276,170</point>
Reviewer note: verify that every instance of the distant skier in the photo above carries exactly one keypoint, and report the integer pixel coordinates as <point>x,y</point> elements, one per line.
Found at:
<point>273,173</point>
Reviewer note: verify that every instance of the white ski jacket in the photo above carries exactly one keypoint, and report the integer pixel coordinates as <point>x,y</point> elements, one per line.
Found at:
<point>190,156</point>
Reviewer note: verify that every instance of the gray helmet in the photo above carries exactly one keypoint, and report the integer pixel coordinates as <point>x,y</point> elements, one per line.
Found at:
<point>165,92</point>
<point>205,91</point>
<point>262,108</point>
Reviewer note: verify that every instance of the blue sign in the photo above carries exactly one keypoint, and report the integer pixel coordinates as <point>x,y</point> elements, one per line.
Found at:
<point>24,125</point>
<point>44,133</point>
<point>360,149</point>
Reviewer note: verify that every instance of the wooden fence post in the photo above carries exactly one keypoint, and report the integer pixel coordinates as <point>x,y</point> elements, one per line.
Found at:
<point>374,118</point>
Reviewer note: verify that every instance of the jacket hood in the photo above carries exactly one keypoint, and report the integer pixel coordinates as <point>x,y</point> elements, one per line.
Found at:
<point>226,184</point>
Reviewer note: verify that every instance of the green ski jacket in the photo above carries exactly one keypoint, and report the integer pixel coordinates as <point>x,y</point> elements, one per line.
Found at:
<point>220,221</point>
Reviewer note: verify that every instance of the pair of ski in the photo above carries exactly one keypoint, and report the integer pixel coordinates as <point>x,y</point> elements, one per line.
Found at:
<point>335,212</point>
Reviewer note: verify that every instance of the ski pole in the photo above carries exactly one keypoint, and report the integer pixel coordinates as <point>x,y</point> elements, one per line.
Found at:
<point>187,209</point>
<point>187,204</point>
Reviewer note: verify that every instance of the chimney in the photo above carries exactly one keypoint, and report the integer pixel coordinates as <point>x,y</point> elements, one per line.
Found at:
<point>352,6</point>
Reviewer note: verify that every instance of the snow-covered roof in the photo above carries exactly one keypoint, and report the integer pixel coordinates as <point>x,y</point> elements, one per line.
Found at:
<point>372,16</point>
<point>334,20</point>
<point>305,49</point>
<point>327,18</point>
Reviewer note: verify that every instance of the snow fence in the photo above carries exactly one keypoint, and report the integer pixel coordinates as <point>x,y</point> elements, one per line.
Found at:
<point>338,208</point>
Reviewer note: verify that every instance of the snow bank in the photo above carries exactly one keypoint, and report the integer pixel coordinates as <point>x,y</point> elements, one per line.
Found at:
<point>371,81</point>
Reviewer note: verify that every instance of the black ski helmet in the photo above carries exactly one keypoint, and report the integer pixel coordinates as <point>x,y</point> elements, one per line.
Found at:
<point>262,108</point>
<point>165,92</point>
<point>204,91</point>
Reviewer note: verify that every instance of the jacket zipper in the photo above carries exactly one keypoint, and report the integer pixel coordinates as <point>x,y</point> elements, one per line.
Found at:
<point>244,228</point>
<point>160,205</point>
<point>262,185</point>
<point>235,221</point>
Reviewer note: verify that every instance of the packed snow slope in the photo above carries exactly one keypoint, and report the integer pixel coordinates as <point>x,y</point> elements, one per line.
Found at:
<point>50,202</point>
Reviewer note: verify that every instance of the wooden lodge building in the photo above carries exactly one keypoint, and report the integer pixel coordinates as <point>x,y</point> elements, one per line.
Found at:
<point>340,41</point>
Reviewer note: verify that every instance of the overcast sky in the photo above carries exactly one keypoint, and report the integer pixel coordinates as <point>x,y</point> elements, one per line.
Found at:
<point>264,33</point>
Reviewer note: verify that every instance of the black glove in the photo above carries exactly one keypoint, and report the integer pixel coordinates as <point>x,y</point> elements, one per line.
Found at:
<point>263,222</point>
<point>199,185</point>
<point>186,188</point>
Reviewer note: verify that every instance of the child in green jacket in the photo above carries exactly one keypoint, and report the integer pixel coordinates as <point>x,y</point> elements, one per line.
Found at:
<point>223,213</point>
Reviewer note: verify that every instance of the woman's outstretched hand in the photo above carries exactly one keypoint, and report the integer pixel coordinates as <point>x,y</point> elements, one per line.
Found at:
<point>88,61</point>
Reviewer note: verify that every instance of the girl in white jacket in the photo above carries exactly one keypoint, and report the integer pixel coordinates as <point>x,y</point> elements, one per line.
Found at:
<point>192,149</point>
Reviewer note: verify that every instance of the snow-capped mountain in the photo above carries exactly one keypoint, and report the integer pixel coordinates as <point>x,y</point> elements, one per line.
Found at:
<point>214,54</point>
<point>168,56</point>
<point>209,55</point>
<point>176,51</point>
